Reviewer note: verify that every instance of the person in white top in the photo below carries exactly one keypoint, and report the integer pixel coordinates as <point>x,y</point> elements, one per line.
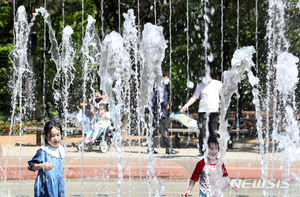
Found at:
<point>208,93</point>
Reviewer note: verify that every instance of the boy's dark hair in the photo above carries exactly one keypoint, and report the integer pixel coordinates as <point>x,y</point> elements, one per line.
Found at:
<point>49,126</point>
<point>212,141</point>
<point>165,73</point>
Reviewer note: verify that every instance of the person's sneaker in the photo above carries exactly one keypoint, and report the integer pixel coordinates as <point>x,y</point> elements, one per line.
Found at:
<point>200,156</point>
<point>172,151</point>
<point>87,140</point>
<point>154,152</point>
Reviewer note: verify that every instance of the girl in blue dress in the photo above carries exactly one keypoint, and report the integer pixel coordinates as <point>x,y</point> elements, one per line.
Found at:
<point>49,162</point>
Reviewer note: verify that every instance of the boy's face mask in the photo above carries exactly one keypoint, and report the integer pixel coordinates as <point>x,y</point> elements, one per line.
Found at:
<point>204,79</point>
<point>166,81</point>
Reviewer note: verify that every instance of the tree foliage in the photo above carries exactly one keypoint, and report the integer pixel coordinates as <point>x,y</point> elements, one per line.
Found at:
<point>185,41</point>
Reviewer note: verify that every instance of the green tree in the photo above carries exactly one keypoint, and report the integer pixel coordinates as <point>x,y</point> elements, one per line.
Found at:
<point>178,59</point>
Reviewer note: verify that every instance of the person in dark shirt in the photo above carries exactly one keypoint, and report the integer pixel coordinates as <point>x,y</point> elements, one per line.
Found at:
<point>160,108</point>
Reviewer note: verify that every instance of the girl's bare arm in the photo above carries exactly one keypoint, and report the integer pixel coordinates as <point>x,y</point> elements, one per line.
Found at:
<point>191,186</point>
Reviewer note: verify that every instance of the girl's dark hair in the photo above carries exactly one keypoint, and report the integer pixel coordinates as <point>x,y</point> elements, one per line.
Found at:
<point>49,126</point>
<point>212,141</point>
<point>99,91</point>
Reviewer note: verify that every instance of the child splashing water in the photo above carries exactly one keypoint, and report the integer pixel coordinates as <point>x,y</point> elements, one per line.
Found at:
<point>49,162</point>
<point>100,122</point>
<point>203,171</point>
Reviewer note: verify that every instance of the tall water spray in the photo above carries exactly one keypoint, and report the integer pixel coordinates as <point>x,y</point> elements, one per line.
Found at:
<point>114,69</point>
<point>273,102</point>
<point>120,55</point>
<point>153,47</point>
<point>91,53</point>
<point>117,56</point>
<point>287,136</point>
<point>21,69</point>
<point>241,62</point>
<point>117,60</point>
<point>63,56</point>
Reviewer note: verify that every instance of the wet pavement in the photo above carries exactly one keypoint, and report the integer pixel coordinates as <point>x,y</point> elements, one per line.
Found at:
<point>139,188</point>
<point>96,174</point>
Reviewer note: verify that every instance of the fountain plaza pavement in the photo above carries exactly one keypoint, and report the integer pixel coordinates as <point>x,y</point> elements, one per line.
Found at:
<point>242,162</point>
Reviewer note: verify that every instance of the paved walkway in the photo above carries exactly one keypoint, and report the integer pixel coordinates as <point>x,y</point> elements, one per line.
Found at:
<point>243,161</point>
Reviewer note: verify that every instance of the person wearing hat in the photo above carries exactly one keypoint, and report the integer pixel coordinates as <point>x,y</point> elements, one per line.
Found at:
<point>208,93</point>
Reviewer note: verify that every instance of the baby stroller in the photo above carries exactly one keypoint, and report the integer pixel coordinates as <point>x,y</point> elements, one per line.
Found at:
<point>103,141</point>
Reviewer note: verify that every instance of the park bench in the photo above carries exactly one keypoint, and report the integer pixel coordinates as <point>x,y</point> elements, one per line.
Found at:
<point>180,130</point>
<point>231,132</point>
<point>39,130</point>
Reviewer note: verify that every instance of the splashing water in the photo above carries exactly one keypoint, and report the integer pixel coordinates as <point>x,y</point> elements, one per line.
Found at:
<point>116,67</point>
<point>120,54</point>
<point>91,50</point>
<point>241,62</point>
<point>113,67</point>
<point>21,68</point>
<point>287,72</point>
<point>116,60</point>
<point>153,47</point>
<point>288,139</point>
<point>190,84</point>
